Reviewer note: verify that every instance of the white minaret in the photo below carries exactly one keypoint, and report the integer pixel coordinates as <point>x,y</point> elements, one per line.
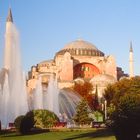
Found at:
<point>8,40</point>
<point>131,62</point>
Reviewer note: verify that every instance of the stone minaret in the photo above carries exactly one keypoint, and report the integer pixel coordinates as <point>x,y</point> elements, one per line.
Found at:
<point>131,62</point>
<point>8,40</point>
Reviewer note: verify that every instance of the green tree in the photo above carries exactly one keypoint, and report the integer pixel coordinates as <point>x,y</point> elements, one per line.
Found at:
<point>82,113</point>
<point>126,117</point>
<point>123,100</point>
<point>120,88</point>
<point>109,92</point>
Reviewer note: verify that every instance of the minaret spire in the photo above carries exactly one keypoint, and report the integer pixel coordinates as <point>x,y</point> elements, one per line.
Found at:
<point>131,49</point>
<point>9,17</point>
<point>131,61</point>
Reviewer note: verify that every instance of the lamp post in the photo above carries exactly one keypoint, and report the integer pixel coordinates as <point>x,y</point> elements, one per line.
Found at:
<point>105,109</point>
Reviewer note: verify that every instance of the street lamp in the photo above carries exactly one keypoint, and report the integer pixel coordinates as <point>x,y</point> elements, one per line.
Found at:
<point>105,109</point>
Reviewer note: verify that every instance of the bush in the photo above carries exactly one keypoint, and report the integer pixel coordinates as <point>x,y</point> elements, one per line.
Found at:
<point>35,118</point>
<point>45,118</point>
<point>27,123</point>
<point>17,122</point>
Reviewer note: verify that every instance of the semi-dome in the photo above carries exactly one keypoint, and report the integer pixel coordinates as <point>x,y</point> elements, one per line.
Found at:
<point>81,47</point>
<point>46,61</point>
<point>103,79</point>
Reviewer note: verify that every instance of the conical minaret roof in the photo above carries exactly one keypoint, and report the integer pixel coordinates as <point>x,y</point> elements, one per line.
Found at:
<point>131,49</point>
<point>9,17</point>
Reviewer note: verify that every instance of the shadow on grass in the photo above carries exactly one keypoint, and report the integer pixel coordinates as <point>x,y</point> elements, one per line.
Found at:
<point>8,133</point>
<point>93,134</point>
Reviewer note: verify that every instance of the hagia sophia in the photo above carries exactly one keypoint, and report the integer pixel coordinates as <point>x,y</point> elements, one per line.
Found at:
<point>78,60</point>
<point>49,82</point>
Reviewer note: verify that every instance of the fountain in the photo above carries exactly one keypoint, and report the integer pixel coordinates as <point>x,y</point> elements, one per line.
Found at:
<point>52,96</point>
<point>37,96</point>
<point>14,100</point>
<point>68,101</point>
<point>62,102</point>
<point>13,96</point>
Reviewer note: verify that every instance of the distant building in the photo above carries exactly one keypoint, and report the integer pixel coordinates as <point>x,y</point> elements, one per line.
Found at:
<point>120,73</point>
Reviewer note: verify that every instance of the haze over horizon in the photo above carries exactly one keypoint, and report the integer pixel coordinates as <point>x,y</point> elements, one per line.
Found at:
<point>45,27</point>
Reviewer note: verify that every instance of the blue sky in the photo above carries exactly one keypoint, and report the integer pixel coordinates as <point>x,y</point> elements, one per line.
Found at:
<point>46,26</point>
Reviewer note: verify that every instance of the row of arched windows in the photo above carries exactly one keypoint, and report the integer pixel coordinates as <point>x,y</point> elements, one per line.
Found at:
<point>82,52</point>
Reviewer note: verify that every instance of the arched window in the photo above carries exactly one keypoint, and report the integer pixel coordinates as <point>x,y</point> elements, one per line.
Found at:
<point>85,70</point>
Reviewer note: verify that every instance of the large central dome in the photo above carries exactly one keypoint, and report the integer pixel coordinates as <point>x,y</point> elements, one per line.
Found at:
<point>81,47</point>
<point>80,44</point>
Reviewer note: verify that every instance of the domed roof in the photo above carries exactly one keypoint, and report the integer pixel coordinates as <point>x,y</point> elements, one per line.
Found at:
<point>81,47</point>
<point>103,79</point>
<point>80,44</point>
<point>46,61</point>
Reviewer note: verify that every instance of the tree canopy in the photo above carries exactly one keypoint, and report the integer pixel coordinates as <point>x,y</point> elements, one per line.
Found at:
<point>85,90</point>
<point>123,100</point>
<point>120,88</point>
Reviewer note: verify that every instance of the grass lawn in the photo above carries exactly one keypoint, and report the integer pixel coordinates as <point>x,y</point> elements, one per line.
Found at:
<point>91,134</point>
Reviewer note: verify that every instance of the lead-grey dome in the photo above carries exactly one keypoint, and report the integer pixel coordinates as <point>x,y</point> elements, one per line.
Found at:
<point>103,79</point>
<point>81,47</point>
<point>80,44</point>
